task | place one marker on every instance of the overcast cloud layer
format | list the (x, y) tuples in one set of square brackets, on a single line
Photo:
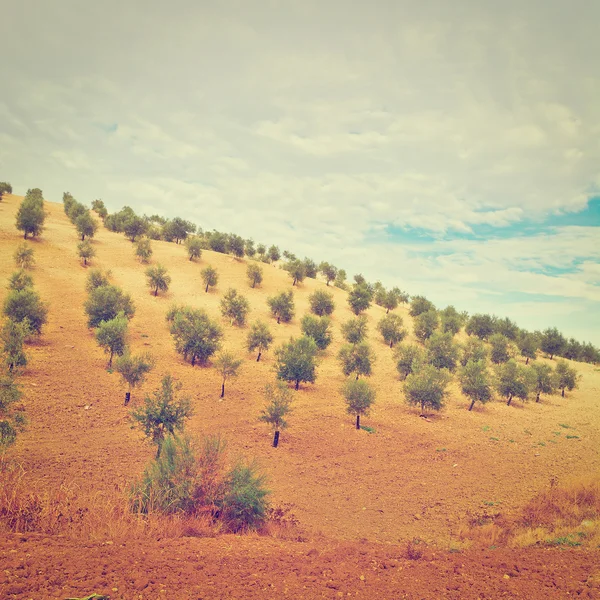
[(450, 148)]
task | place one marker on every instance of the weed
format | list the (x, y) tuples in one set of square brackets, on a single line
[(564, 426), (572, 437), (485, 428), (368, 429), (414, 550), (440, 449), (495, 439), (557, 433), (541, 443), (527, 432)]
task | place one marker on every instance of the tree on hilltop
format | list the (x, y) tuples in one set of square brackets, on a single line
[(552, 342), (329, 272), (482, 326), (419, 305), (5, 189), (296, 270), (359, 298), (31, 215)]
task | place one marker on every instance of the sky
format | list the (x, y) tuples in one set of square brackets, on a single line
[(449, 148)]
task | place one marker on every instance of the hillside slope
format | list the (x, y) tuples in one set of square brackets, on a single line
[(411, 478)]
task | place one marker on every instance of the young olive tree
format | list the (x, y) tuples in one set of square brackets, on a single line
[(500, 351), (196, 336), (193, 245), (329, 272), (356, 359), (425, 324), (31, 215), (210, 276), (24, 256), (235, 307), (296, 270), (355, 330), (528, 345), (514, 380), (86, 225), (408, 358), (392, 329), (474, 349), (227, 366), (552, 342), (482, 326), (282, 306), (95, 279), (359, 397), (279, 400), (450, 320), (297, 360), (112, 336), (321, 303), (359, 298), (566, 377), (426, 387), (317, 328), (475, 382), (158, 278), (442, 350), (25, 306), (12, 413), (254, 273), (20, 280), (85, 251), (419, 305), (133, 370), (13, 335), (545, 381), (259, 338), (143, 250), (105, 302), (163, 414)]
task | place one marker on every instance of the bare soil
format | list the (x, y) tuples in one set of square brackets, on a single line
[(358, 496)]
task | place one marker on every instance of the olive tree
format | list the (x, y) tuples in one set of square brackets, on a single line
[(500, 351), (20, 280), (545, 381), (86, 225), (426, 387), (482, 326), (234, 307), (321, 303), (317, 328), (210, 276), (355, 330), (359, 298), (31, 215), (12, 413), (133, 370), (513, 380), (5, 189), (112, 336), (392, 329), (282, 306), (356, 359), (566, 377), (273, 253), (474, 349), (528, 345), (442, 351), (158, 278), (134, 227), (105, 302), (24, 256), (85, 251), (359, 397), (425, 324), (143, 249), (13, 335), (227, 365), (408, 358), (254, 273), (25, 306), (163, 414), (296, 270), (552, 342), (329, 272), (279, 400), (419, 305), (259, 338), (196, 336), (95, 279), (193, 245), (297, 360), (450, 320), (475, 382)]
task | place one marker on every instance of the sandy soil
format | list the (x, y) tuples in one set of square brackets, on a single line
[(358, 496)]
